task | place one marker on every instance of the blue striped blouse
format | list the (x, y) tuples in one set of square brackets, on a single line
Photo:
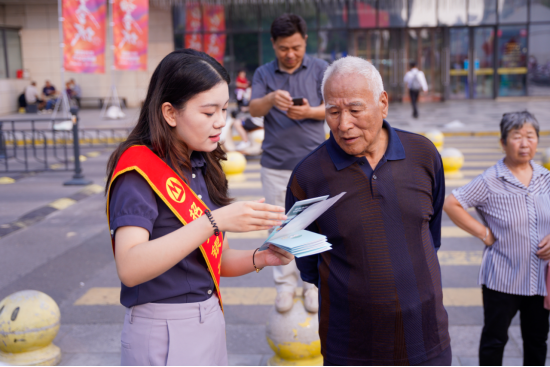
[(519, 218)]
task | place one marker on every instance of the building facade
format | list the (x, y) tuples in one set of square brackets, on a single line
[(468, 49)]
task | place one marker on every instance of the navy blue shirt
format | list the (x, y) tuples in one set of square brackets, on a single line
[(381, 299), (134, 203), (288, 141)]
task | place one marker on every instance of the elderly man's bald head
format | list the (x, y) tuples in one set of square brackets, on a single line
[(355, 66)]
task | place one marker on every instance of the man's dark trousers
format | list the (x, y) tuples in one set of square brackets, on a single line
[(414, 99), (499, 309)]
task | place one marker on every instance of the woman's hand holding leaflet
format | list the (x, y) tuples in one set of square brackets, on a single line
[(246, 216)]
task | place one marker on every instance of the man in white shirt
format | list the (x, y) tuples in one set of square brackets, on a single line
[(416, 81), (31, 94)]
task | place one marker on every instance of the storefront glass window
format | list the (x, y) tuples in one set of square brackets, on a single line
[(333, 45), (13, 47), (267, 48), (2, 58), (392, 13), (540, 10), (270, 12), (512, 60), (306, 10), (483, 76), (452, 12), (482, 12), (459, 42), (362, 14), (333, 14), (513, 11), (243, 17), (422, 13), (246, 51), (539, 60)]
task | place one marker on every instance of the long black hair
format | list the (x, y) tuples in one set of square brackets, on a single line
[(180, 76)]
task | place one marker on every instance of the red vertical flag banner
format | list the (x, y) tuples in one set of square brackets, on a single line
[(131, 34), (84, 35), (214, 21), (193, 26)]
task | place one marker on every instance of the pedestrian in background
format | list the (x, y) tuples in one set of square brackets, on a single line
[(512, 199), (173, 314), (241, 85), (381, 300), (291, 131), (76, 92), (415, 81)]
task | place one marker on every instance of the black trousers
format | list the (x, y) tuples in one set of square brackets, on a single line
[(414, 99), (498, 310)]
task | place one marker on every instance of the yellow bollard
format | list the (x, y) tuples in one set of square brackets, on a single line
[(235, 163), (29, 322), (436, 137), (294, 337), (453, 160), (546, 159)]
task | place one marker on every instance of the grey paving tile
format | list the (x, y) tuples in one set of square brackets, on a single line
[(455, 361), (245, 359), (99, 338), (468, 361), (245, 339), (91, 359)]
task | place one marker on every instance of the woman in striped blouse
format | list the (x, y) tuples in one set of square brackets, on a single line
[(512, 198)]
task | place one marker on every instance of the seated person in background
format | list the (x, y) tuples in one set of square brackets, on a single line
[(32, 96), (243, 127), (50, 94)]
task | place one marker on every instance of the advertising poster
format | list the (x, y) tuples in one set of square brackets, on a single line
[(84, 35), (131, 34)]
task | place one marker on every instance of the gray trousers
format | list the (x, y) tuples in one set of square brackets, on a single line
[(274, 183), (183, 334)]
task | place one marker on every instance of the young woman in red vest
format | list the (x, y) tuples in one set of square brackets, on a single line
[(168, 209)]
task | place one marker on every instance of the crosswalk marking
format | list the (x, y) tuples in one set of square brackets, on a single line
[(265, 296)]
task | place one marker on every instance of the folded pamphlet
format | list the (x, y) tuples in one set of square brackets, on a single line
[(292, 236)]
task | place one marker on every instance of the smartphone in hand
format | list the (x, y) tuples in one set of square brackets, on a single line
[(298, 101)]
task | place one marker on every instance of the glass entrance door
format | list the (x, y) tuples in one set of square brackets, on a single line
[(512, 61), (424, 46), (471, 79), (381, 48)]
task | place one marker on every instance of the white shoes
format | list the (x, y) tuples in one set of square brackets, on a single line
[(242, 145), (311, 300), (284, 301)]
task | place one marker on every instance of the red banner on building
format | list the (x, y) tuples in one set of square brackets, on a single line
[(84, 35), (131, 34), (211, 20)]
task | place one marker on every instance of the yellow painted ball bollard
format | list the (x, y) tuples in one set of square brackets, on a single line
[(546, 159), (453, 160), (29, 322), (235, 163), (294, 337), (436, 137)]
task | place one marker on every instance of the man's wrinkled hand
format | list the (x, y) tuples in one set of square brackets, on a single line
[(300, 112)]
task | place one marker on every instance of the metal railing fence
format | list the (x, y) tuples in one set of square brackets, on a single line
[(50, 144)]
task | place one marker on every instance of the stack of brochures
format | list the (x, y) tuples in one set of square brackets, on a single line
[(291, 235)]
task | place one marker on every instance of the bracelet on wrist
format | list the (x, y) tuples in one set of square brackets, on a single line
[(254, 262), (486, 234), (211, 219)]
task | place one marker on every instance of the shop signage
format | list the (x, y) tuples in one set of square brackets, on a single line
[(130, 34), (84, 35)]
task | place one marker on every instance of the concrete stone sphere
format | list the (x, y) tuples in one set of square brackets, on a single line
[(29, 322), (257, 136), (235, 164), (294, 337), (453, 160), (436, 137), (546, 158)]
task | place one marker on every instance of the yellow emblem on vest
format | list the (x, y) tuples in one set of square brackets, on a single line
[(216, 247), (195, 211), (175, 190)]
